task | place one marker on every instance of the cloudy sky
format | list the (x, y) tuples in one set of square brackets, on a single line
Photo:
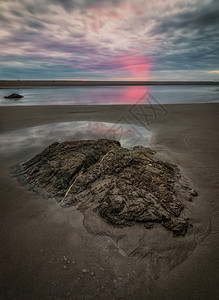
[(109, 39)]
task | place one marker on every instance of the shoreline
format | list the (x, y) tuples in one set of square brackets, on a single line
[(71, 83), (20, 117)]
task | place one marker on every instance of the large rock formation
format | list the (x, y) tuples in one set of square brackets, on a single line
[(124, 186)]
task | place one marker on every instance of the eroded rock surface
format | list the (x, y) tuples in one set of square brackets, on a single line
[(123, 186)]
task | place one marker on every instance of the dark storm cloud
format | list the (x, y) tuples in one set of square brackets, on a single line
[(3, 18), (35, 24), (201, 19), (190, 39), (192, 55), (83, 4), (68, 5)]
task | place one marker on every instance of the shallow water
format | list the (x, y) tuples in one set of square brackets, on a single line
[(112, 95), (34, 139)]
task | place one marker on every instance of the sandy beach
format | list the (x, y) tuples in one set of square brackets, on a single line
[(48, 252)]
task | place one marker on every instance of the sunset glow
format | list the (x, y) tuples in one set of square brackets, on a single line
[(109, 39)]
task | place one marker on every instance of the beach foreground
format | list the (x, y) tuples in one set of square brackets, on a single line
[(46, 252)]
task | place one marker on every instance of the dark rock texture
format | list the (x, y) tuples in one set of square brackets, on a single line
[(14, 96), (123, 186)]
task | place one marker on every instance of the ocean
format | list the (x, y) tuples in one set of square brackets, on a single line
[(113, 95)]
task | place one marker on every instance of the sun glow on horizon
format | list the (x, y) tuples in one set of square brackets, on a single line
[(213, 72)]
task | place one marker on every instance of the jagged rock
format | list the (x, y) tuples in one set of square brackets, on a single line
[(14, 96), (178, 226), (124, 186), (194, 193)]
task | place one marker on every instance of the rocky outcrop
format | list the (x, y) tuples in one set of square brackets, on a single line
[(123, 186), (14, 96)]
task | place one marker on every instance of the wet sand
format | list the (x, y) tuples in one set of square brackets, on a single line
[(47, 252)]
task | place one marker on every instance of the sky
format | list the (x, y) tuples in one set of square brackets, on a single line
[(109, 39)]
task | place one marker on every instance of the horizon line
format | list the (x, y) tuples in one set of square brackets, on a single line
[(84, 82), (30, 83)]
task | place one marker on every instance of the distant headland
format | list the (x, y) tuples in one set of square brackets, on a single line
[(71, 83)]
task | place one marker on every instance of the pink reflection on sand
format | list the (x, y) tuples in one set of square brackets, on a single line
[(102, 130)]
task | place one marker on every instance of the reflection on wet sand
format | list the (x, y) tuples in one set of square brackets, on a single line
[(41, 136)]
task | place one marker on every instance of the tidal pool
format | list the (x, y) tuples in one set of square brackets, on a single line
[(34, 139)]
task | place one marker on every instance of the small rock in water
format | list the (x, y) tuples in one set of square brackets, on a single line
[(14, 96)]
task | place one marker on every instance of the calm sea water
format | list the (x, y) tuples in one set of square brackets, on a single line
[(112, 95)]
